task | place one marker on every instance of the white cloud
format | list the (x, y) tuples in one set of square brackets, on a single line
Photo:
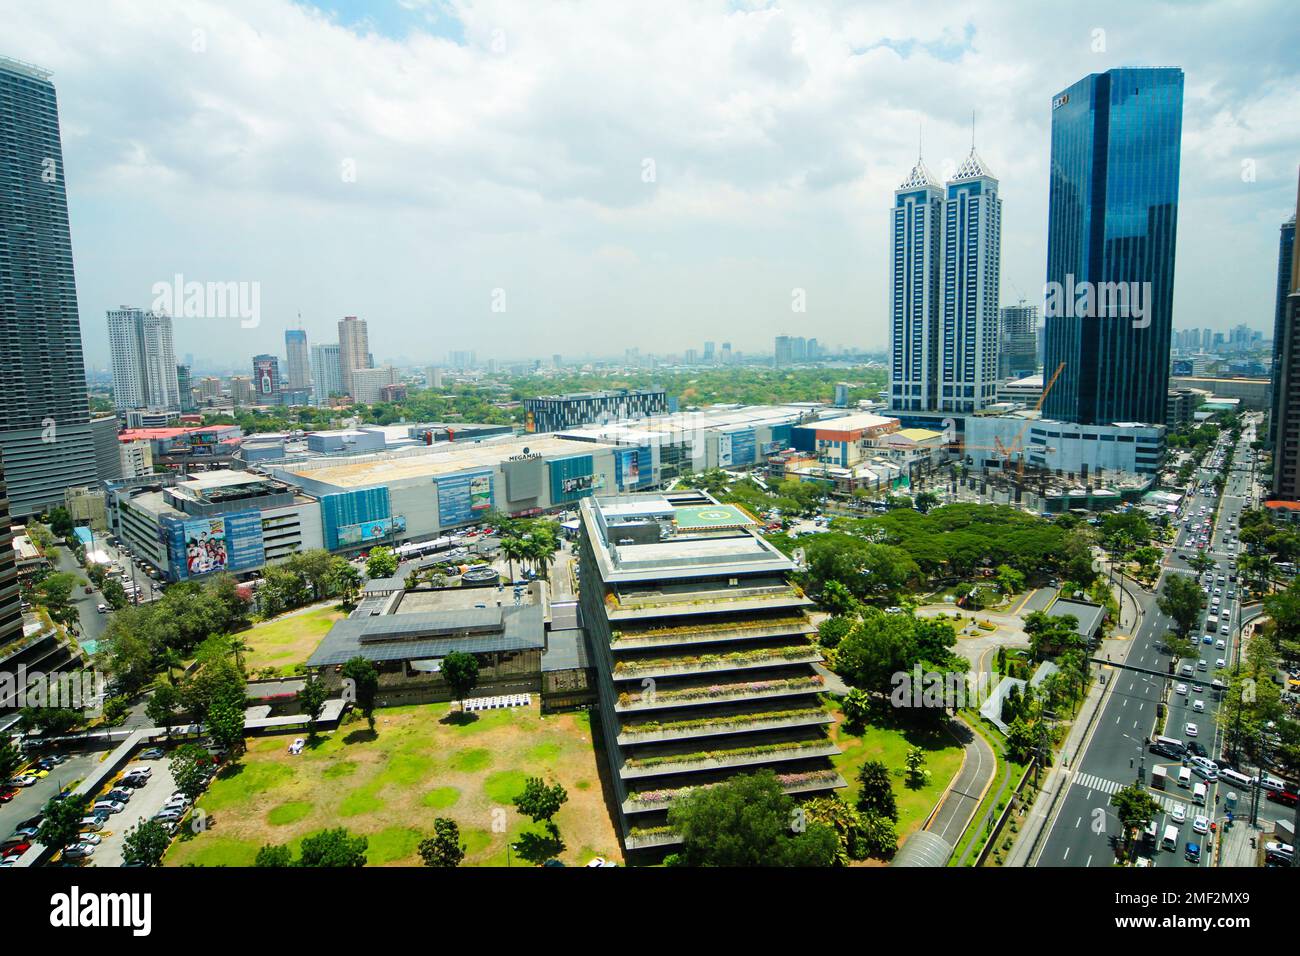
[(517, 158)]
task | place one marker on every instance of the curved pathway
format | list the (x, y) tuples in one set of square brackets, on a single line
[(959, 803)]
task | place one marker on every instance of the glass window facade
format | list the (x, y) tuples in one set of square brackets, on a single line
[(1112, 218)]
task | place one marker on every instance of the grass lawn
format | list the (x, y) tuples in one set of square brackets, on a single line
[(391, 786), (288, 640), (890, 744)]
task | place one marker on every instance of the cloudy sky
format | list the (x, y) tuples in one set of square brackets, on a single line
[(523, 178)]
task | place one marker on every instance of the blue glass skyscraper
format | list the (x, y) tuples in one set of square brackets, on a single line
[(1285, 250), (1112, 228)]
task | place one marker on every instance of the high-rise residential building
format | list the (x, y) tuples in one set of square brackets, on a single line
[(461, 359), (972, 271), (726, 353), (298, 364), (1018, 341), (916, 301), (1112, 229), (354, 349), (1285, 254), (185, 385), (326, 373), (45, 437), (144, 362), (708, 353), (433, 377), (209, 388), (266, 379), (782, 354), (241, 390), (1286, 388)]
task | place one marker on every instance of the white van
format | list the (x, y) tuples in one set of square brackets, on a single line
[(1198, 794), (1170, 842), (1185, 777), (1236, 778), (1158, 779)]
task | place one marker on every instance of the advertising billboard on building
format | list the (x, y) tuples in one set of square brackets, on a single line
[(463, 498), (205, 546), (371, 531)]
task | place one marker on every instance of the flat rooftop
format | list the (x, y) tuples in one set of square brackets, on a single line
[(444, 458)]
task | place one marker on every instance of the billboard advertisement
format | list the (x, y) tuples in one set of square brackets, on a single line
[(1182, 367), (205, 546), (724, 450), (463, 498), (573, 485), (371, 531)]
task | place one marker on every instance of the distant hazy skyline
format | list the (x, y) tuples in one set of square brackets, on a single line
[(614, 176)]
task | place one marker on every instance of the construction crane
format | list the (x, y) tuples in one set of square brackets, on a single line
[(1017, 443)]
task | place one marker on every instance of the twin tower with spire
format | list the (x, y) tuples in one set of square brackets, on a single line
[(944, 293)]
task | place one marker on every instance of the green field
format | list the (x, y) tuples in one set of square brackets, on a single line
[(287, 641), (421, 764), (890, 744)]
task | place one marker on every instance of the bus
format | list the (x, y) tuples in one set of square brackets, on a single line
[(1169, 746)]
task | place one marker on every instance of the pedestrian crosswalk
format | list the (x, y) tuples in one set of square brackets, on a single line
[(1092, 782)]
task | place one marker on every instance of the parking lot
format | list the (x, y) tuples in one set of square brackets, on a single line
[(29, 801), (145, 802)]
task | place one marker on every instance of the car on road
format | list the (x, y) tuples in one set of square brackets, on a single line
[(1279, 852), (1220, 663), (1198, 706), (1219, 644), (153, 753), (7, 794), (1181, 689), (1191, 730), (102, 608), (1193, 852), (1202, 665), (24, 780), (1201, 824), (37, 772), (1178, 814)]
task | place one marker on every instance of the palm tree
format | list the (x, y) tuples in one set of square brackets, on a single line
[(515, 549), (237, 647), (171, 659)]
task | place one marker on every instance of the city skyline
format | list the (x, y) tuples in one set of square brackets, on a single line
[(714, 239)]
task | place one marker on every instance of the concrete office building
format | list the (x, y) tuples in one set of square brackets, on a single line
[(185, 386), (433, 377), (298, 365), (266, 379), (1112, 228), (1018, 341), (241, 390), (136, 458), (45, 438), (552, 413), (682, 596), (354, 349), (368, 384), (144, 361), (326, 373)]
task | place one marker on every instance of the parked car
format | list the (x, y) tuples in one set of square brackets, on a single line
[(111, 806), (92, 823), (78, 851), (168, 816), (153, 753), (15, 849)]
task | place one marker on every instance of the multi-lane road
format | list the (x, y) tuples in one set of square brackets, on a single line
[(1085, 828)]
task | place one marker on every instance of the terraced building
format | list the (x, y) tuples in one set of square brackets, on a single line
[(703, 653)]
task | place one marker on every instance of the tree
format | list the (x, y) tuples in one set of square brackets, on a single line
[(833, 813), (11, 758), (114, 594), (345, 580), (1135, 809), (925, 501), (747, 821), (145, 843), (61, 522), (381, 563), (1010, 581), (444, 848), (226, 718), (365, 685), (62, 822), (189, 765), (832, 630), (876, 791), (513, 549), (856, 706), (162, 704), (333, 848), (312, 699), (460, 671), (273, 855), (540, 802), (1181, 599), (917, 775)]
